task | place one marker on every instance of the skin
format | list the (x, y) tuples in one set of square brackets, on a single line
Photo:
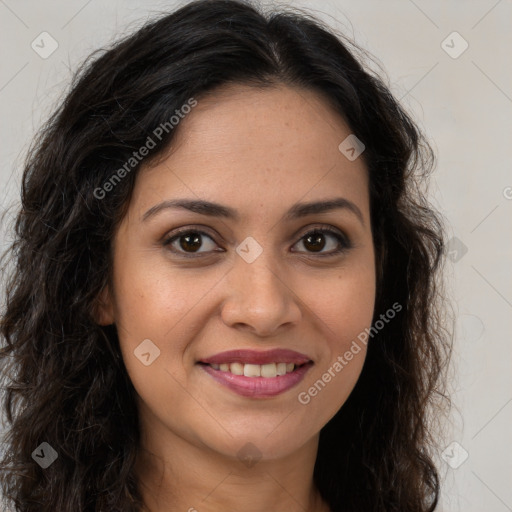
[(260, 152)]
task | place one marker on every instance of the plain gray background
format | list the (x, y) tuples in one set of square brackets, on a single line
[(463, 101)]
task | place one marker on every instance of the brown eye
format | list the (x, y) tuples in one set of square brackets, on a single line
[(314, 241), (317, 240), (189, 241)]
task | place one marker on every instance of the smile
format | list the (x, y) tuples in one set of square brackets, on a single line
[(257, 374)]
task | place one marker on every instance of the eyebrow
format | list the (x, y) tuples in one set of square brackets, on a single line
[(297, 211)]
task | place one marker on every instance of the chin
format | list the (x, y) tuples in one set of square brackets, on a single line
[(257, 444)]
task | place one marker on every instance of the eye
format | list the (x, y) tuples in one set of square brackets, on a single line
[(314, 241), (189, 240)]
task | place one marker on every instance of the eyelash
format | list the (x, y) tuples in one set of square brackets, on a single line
[(343, 241)]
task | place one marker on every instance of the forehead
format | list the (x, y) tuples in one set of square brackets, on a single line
[(242, 119), (249, 146)]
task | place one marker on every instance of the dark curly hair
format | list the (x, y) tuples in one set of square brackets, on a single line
[(63, 376)]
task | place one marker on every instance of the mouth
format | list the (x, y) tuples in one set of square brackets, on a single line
[(257, 374)]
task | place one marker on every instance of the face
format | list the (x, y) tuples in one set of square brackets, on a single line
[(197, 284)]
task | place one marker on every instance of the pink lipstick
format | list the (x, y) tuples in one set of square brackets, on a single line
[(257, 374)]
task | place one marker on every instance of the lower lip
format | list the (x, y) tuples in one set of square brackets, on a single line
[(258, 387)]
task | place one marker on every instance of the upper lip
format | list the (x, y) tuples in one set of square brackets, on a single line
[(277, 355)]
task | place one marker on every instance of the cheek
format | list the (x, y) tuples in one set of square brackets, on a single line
[(343, 311), (326, 392), (153, 298), (344, 304), (152, 312), (158, 303)]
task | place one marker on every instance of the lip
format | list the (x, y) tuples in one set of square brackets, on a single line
[(277, 355), (258, 387)]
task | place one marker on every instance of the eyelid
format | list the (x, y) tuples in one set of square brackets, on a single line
[(321, 227), (186, 229)]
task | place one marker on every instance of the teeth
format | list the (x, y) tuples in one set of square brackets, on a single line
[(269, 370), (252, 370), (281, 368), (236, 368), (256, 370)]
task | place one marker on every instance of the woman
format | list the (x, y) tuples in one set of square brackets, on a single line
[(226, 291)]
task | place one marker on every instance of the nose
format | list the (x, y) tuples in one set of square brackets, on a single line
[(259, 299)]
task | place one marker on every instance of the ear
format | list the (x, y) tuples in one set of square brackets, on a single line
[(104, 308)]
